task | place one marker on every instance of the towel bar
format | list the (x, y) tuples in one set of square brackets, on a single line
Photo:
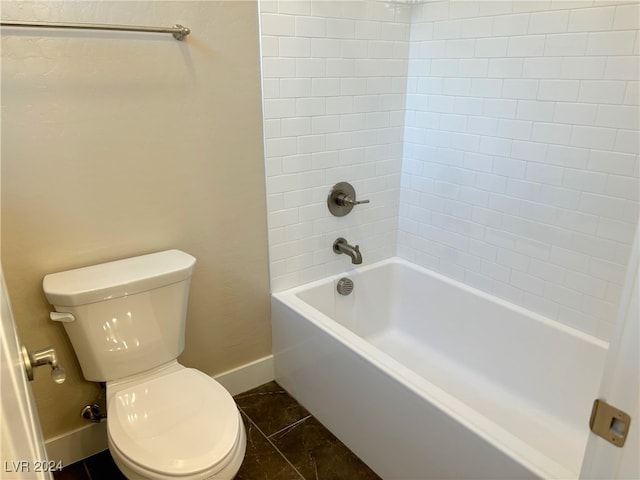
[(178, 31)]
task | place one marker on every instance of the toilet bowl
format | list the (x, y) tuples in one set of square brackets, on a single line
[(126, 322), (175, 422)]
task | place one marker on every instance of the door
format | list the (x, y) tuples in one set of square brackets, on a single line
[(620, 387), (22, 452)]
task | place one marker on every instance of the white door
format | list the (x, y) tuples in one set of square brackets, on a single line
[(22, 452), (620, 387)]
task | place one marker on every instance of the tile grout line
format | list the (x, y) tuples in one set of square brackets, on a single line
[(86, 470), (288, 427), (271, 443)]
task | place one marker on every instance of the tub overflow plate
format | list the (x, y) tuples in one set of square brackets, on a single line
[(344, 286)]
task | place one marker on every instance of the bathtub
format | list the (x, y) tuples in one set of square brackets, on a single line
[(424, 377)]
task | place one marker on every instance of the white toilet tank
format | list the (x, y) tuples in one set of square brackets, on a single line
[(125, 316)]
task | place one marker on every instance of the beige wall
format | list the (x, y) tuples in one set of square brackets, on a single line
[(119, 144)]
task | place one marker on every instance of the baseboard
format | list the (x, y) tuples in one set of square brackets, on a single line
[(71, 447), (248, 376), (76, 445)]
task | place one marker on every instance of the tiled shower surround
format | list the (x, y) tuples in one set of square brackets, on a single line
[(497, 141), (335, 81)]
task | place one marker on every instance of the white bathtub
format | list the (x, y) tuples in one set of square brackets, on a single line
[(426, 378)]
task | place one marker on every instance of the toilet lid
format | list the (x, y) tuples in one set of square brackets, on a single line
[(177, 424)]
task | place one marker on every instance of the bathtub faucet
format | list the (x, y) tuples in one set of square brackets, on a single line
[(341, 246)]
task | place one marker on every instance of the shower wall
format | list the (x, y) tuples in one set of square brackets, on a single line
[(334, 78), (496, 140), (520, 168)]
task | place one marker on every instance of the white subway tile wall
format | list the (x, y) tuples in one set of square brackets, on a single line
[(335, 79), (498, 142), (533, 171)]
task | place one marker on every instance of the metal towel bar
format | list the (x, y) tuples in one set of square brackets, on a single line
[(178, 31)]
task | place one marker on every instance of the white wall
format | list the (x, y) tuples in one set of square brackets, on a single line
[(521, 168), (519, 148), (334, 78)]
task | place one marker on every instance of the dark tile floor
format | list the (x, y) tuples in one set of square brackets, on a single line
[(284, 442)]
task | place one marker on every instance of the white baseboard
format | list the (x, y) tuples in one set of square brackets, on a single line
[(248, 376), (76, 445)]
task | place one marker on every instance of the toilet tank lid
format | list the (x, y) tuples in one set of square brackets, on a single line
[(117, 279)]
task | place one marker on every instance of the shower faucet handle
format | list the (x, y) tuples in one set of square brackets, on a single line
[(342, 199)]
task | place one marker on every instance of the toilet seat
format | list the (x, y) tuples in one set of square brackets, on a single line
[(178, 423)]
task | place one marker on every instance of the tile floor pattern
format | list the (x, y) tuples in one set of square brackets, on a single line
[(284, 442)]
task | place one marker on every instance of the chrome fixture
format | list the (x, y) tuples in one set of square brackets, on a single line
[(92, 413), (46, 356), (344, 286), (178, 31), (341, 246), (342, 198)]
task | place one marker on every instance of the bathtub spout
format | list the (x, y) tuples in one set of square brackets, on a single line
[(342, 246)]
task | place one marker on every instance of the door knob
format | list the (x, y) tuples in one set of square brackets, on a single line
[(46, 356)]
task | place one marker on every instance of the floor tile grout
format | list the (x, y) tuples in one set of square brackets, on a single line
[(87, 470), (271, 443), (305, 444), (289, 427)]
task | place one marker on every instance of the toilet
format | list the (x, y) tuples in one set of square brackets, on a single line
[(126, 322)]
